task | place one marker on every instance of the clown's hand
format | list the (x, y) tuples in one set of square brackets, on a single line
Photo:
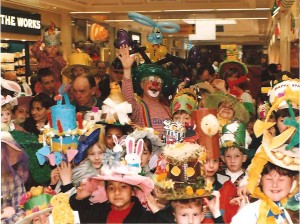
[(126, 59), (7, 212)]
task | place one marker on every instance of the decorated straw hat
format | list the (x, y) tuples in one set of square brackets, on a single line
[(35, 202), (240, 112), (126, 169), (145, 70), (281, 150), (185, 99), (79, 59), (227, 64), (8, 139)]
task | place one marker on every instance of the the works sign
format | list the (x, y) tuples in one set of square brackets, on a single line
[(16, 21)]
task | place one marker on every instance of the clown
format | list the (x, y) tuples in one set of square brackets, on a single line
[(151, 80)]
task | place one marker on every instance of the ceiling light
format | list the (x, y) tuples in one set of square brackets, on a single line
[(216, 21)]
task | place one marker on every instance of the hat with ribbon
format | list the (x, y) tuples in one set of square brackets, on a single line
[(79, 59)]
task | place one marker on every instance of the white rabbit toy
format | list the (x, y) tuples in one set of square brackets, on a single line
[(133, 154), (118, 145)]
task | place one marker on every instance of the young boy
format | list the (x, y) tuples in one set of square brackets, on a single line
[(276, 184), (234, 142), (191, 210)]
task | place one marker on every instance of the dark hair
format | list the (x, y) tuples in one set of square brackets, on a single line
[(180, 112), (229, 72), (148, 143), (205, 67), (282, 171), (283, 113), (89, 78), (106, 184), (44, 72), (44, 99), (126, 129), (273, 68)]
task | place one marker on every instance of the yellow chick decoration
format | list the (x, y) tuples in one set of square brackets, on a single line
[(115, 107), (62, 212), (36, 191)]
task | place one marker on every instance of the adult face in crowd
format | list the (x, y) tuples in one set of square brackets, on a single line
[(101, 68), (116, 71), (11, 75), (206, 73), (84, 89)]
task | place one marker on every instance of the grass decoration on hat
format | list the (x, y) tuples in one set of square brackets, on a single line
[(29, 142), (240, 112), (227, 64)]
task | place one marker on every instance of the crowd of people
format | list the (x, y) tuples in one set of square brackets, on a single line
[(249, 185)]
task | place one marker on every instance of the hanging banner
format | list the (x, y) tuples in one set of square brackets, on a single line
[(16, 21)]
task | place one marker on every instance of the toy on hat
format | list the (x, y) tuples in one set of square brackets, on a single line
[(179, 173), (115, 107), (62, 211), (52, 35), (35, 202), (227, 64), (126, 169), (79, 59), (60, 136)]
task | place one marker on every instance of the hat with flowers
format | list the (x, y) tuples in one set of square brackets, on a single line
[(35, 202)]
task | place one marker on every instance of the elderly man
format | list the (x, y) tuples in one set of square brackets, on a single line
[(148, 110), (84, 88)]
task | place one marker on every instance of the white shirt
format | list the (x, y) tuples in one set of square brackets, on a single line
[(234, 176)]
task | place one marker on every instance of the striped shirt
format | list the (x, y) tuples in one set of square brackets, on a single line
[(158, 112)]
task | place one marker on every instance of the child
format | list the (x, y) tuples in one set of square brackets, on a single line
[(233, 143), (190, 210), (123, 186), (276, 184), (145, 157), (118, 131), (21, 111), (6, 116)]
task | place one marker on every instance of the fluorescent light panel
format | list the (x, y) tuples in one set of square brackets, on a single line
[(192, 21)]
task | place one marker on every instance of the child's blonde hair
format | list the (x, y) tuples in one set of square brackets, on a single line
[(187, 203), (6, 106)]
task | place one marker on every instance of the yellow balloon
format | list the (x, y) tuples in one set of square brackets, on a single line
[(162, 51)]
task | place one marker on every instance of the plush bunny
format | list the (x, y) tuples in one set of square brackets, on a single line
[(118, 145), (133, 154)]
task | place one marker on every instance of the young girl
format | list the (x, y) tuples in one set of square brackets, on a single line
[(39, 106), (6, 116), (118, 131), (21, 111)]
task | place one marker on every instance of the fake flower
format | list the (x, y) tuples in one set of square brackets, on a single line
[(169, 184), (189, 190), (208, 186), (111, 158)]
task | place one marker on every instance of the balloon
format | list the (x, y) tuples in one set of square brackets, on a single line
[(194, 55), (122, 38), (139, 18), (162, 51), (168, 27), (155, 37)]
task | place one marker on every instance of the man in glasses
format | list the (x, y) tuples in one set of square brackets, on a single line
[(116, 75)]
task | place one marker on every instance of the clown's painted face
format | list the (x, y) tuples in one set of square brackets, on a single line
[(152, 86)]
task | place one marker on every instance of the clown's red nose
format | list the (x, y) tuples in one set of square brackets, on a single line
[(155, 83)]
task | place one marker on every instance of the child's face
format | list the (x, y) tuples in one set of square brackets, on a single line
[(276, 186), (281, 126), (211, 167), (188, 214), (21, 114), (226, 111), (95, 155), (185, 117), (5, 116), (119, 194), (232, 78), (234, 158), (38, 112), (77, 71), (145, 156), (41, 219), (109, 142)]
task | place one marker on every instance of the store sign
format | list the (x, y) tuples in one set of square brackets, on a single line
[(16, 21)]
